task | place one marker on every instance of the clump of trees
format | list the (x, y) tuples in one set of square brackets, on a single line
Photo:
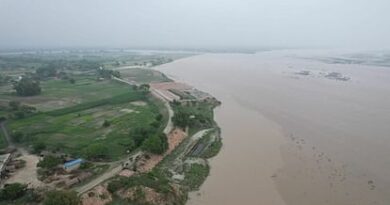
[(27, 87), (198, 116), (156, 144)]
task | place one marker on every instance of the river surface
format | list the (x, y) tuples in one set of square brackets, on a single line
[(293, 137)]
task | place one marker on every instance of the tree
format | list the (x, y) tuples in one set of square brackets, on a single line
[(27, 87), (13, 191), (61, 198), (157, 144)]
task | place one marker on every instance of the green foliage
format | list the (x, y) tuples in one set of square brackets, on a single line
[(61, 198), (14, 105), (96, 152), (181, 118), (198, 116), (140, 134), (105, 73), (13, 191), (156, 144), (195, 175), (27, 87), (49, 162), (115, 185), (106, 123), (38, 147), (17, 136), (153, 179), (46, 71), (213, 149)]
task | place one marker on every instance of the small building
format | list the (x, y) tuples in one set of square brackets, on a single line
[(73, 164)]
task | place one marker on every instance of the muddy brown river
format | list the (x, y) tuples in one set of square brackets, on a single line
[(293, 137)]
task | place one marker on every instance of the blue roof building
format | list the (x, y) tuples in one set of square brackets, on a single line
[(73, 164)]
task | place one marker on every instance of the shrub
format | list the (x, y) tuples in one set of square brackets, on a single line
[(106, 123)]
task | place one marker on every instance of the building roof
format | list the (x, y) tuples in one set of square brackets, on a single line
[(73, 163)]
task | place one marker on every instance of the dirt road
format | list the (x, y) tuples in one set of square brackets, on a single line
[(114, 170)]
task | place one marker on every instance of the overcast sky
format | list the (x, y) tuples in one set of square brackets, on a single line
[(195, 23)]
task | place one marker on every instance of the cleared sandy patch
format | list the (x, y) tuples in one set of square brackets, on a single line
[(27, 174), (127, 110)]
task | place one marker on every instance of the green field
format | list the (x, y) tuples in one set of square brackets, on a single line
[(74, 129), (60, 93)]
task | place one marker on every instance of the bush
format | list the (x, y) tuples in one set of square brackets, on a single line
[(61, 198), (13, 191), (106, 123)]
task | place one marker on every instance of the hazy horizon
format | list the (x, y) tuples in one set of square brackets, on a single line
[(195, 24)]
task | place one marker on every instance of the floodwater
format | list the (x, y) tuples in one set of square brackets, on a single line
[(290, 138)]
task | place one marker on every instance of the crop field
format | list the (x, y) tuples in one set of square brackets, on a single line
[(74, 129)]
